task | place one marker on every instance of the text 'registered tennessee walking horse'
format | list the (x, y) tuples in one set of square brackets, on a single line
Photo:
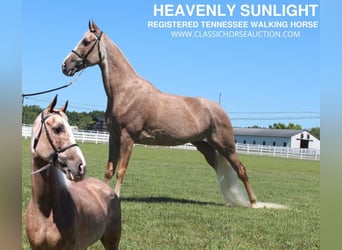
[(137, 112), (66, 211)]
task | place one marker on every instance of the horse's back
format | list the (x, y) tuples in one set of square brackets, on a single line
[(210, 113), (93, 190), (172, 120)]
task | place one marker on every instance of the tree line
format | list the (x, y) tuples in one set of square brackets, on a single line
[(80, 119), (84, 119)]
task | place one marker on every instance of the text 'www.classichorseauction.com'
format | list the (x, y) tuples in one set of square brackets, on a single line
[(234, 21)]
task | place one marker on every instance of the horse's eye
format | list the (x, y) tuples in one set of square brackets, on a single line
[(85, 42), (58, 129)]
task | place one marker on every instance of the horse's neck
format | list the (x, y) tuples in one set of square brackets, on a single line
[(117, 73), (46, 186)]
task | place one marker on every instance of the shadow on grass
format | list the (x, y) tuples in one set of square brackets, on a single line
[(168, 200)]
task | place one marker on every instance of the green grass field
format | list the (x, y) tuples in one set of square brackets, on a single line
[(171, 200)]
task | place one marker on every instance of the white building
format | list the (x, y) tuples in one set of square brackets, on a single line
[(276, 137)]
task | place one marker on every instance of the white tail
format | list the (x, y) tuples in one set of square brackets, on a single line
[(231, 188), (229, 182)]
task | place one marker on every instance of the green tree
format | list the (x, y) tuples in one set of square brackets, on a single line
[(277, 126), (316, 132), (255, 126), (97, 113), (79, 119), (29, 113), (294, 126), (283, 126)]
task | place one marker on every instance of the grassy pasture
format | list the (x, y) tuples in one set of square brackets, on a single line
[(170, 200)]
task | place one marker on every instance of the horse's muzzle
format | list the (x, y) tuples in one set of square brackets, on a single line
[(68, 71), (72, 64), (77, 174), (82, 169)]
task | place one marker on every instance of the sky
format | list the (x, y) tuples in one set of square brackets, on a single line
[(258, 81)]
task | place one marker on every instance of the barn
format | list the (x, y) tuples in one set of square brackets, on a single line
[(276, 137), (98, 124)]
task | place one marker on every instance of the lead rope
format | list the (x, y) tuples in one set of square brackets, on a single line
[(43, 168), (50, 90)]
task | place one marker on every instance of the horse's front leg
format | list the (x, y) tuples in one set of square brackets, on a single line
[(126, 147), (113, 157)]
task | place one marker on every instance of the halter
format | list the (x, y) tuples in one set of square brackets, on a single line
[(56, 150), (85, 57)]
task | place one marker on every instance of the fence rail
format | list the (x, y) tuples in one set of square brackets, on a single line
[(287, 152)]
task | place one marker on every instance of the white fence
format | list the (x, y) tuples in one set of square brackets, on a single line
[(103, 137), (287, 152), (80, 135)]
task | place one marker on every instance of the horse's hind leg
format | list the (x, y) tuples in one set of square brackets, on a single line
[(226, 147), (242, 174), (240, 169), (213, 158), (207, 151)]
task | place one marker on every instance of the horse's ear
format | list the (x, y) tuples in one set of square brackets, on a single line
[(64, 107), (52, 104), (92, 26)]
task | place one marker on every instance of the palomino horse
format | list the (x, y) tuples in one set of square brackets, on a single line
[(65, 211), (137, 112)]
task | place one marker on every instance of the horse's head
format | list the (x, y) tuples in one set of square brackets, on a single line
[(53, 142), (86, 53)]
